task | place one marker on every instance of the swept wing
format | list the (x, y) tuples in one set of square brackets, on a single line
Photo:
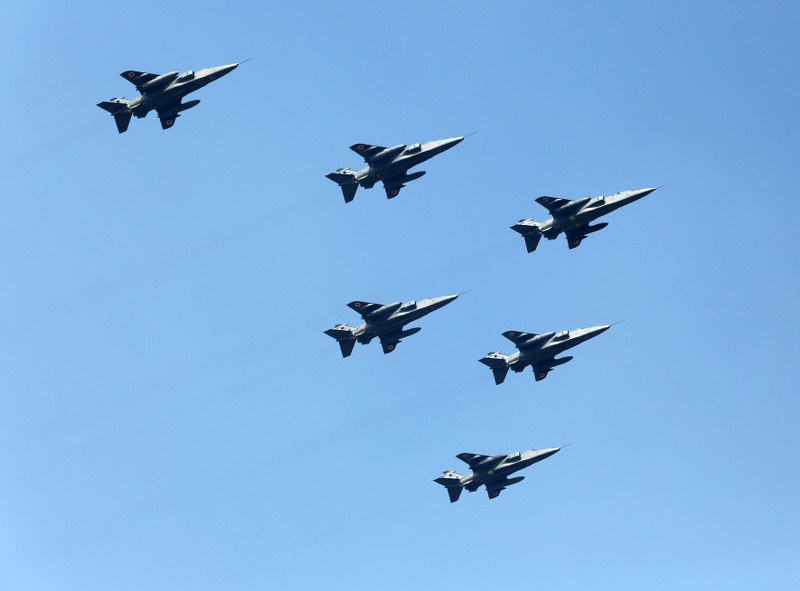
[(494, 488), (480, 461), (544, 367), (393, 186), (576, 235), (367, 151), (389, 341), (138, 79), (552, 203), (167, 114), (518, 337), (374, 312)]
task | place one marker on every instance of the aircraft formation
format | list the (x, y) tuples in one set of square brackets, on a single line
[(387, 322)]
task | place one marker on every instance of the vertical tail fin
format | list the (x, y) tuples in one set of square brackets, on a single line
[(346, 179), (498, 364), (344, 336), (118, 107), (452, 482), (530, 232), (123, 120)]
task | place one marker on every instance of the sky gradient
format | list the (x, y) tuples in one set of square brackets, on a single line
[(172, 415)]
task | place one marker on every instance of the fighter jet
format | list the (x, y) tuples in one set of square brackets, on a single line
[(388, 165), (574, 217), (162, 93), (491, 471), (538, 351), (386, 322)]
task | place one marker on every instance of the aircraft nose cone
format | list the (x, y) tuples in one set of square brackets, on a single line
[(645, 192), (448, 298), (584, 334), (436, 303), (546, 453), (227, 69)]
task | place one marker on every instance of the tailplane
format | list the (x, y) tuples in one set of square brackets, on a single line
[(452, 482), (118, 107), (498, 364), (344, 336), (346, 179)]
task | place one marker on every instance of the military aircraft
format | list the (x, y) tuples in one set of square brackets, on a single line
[(490, 471), (538, 351), (162, 93), (386, 322), (388, 165), (574, 217)]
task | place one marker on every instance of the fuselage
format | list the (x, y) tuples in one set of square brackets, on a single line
[(551, 345), (498, 471), (175, 90), (399, 164), (589, 211), (398, 319)]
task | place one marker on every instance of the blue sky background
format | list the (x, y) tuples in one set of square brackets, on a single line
[(171, 415)]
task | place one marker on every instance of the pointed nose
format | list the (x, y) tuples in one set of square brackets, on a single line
[(222, 70), (645, 192), (596, 330), (542, 454), (444, 300), (436, 303)]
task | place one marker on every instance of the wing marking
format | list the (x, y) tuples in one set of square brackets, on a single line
[(364, 308), (495, 487), (544, 367), (551, 203), (367, 151), (517, 337), (167, 114), (389, 341), (138, 79), (576, 235), (392, 188)]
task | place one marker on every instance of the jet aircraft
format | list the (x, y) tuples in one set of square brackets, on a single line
[(490, 471), (573, 218), (386, 322), (538, 351), (388, 165), (161, 92)]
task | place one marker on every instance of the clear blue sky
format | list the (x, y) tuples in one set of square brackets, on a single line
[(171, 415)]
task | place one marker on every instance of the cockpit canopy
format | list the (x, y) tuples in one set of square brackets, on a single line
[(561, 335), (413, 148), (187, 76), (513, 457), (410, 305)]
